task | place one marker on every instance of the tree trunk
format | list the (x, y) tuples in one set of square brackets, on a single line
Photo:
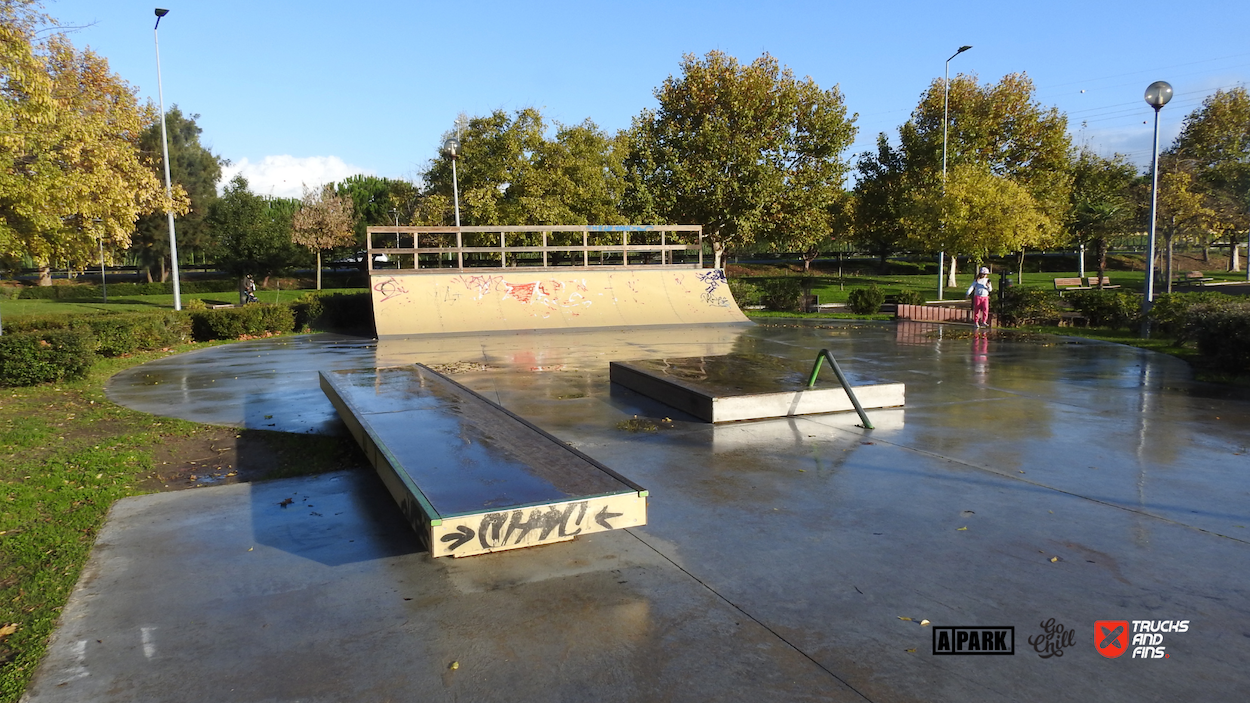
[(164, 271), (718, 248), (1234, 262), (265, 282), (950, 279), (45, 275), (1020, 269), (1102, 257), (318, 269), (1168, 238)]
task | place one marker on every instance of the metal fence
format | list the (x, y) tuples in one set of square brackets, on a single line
[(431, 249)]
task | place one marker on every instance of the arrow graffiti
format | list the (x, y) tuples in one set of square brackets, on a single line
[(603, 516), (463, 534)]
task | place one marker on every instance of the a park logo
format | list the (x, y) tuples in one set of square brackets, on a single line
[(974, 640), (1111, 637)]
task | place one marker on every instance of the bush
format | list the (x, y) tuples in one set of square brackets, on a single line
[(1107, 308), (336, 311), (1021, 306), (115, 334), (1170, 311), (27, 358), (865, 301), (233, 323), (744, 292), (781, 294), (909, 297), (1222, 331), (128, 333)]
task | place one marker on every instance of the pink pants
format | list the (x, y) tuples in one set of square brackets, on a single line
[(981, 309)]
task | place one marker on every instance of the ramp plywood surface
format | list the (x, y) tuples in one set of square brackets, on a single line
[(488, 300)]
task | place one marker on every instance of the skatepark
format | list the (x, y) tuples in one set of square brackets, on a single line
[(1026, 483)]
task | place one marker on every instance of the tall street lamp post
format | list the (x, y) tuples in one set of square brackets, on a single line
[(169, 189), (451, 147), (946, 100), (1157, 95)]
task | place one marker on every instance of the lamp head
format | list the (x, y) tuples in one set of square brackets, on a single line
[(1158, 94), (160, 12), (451, 147), (962, 49)]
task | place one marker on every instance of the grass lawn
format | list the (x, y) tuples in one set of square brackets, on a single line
[(22, 307), (67, 453)]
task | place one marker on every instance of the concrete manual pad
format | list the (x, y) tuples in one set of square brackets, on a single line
[(471, 477), (736, 387), (1031, 482)]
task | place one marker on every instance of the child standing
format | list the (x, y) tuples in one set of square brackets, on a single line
[(980, 292)]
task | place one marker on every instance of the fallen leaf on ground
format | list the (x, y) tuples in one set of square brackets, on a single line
[(1054, 559), (903, 618), (286, 502), (960, 529), (8, 630), (924, 623)]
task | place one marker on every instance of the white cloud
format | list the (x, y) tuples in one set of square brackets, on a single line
[(285, 175)]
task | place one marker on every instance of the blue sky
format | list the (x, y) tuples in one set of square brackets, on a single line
[(311, 91)]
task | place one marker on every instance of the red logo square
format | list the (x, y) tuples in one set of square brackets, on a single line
[(1111, 637)]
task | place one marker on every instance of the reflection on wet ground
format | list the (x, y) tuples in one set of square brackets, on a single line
[(1027, 479)]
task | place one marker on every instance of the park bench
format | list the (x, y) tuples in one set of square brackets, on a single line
[(1066, 284), (1106, 282), (1193, 278)]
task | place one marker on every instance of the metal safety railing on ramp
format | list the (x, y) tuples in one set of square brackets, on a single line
[(846, 385), (435, 249)]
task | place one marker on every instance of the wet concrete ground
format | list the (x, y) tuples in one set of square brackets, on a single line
[(1025, 482)]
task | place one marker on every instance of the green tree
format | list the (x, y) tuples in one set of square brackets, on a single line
[(378, 201), (1101, 202), (1214, 145), (1001, 127), (748, 151), (495, 152), (882, 194), (575, 179), (193, 167), (72, 174), (252, 234), (978, 213), (325, 220)]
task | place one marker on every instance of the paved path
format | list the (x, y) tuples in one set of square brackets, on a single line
[(1024, 483)]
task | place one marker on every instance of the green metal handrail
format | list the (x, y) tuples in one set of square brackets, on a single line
[(846, 385)]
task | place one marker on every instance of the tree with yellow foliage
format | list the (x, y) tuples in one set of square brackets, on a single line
[(71, 174)]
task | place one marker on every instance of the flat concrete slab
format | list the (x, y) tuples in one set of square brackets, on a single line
[(736, 387), (470, 477), (1031, 483)]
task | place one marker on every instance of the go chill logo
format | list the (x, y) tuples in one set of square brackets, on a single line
[(1112, 637)]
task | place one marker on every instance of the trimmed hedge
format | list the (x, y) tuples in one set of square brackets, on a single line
[(115, 334), (1021, 306), (351, 312), (781, 294), (1222, 331), (90, 292), (865, 301), (1107, 308), (232, 323), (1170, 311), (28, 358), (745, 292)]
